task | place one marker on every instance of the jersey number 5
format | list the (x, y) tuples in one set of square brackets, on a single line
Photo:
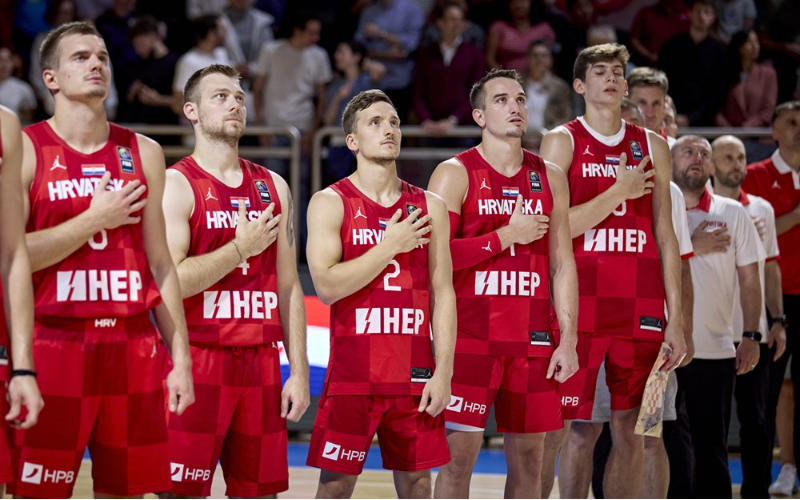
[(390, 275)]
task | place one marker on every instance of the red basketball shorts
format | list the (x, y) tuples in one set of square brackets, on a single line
[(409, 440), (628, 364), (101, 383), (525, 400), (236, 420)]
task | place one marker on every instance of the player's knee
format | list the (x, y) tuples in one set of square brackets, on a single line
[(167, 494), (419, 486), (653, 444), (584, 434)]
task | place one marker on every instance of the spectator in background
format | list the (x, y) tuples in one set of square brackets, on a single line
[(28, 22), (92, 9), (548, 96), (781, 41), (655, 25), (195, 9), (752, 85), (15, 94), (445, 74), (289, 75), (247, 30), (208, 49), (734, 16), (150, 96), (694, 63), (355, 74), (472, 34), (391, 31), (58, 12), (510, 38), (571, 35), (114, 25)]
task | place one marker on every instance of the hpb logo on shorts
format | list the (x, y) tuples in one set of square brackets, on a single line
[(569, 400), (334, 451), (37, 474), (457, 404), (180, 473)]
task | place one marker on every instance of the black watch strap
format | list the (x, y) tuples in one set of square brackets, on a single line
[(23, 373), (782, 319), (753, 335)]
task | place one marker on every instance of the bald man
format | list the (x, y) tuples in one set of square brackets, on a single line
[(751, 388)]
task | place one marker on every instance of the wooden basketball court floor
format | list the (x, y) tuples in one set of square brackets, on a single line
[(375, 482)]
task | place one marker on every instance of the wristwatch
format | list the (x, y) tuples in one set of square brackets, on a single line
[(756, 336), (781, 319)]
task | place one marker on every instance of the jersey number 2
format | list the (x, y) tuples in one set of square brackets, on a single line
[(390, 275)]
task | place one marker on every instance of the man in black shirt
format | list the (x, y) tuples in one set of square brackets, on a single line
[(695, 64)]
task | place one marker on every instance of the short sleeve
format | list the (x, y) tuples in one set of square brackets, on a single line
[(747, 246), (680, 222), (262, 65)]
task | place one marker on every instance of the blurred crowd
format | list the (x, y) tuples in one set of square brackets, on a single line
[(729, 62)]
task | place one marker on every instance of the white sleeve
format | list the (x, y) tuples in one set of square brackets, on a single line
[(180, 79), (771, 238), (747, 244), (261, 68), (680, 222)]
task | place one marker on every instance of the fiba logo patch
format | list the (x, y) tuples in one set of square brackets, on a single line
[(176, 470), (331, 451), (456, 403), (32, 473)]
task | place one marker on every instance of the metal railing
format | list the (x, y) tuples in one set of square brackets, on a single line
[(292, 153), (319, 151)]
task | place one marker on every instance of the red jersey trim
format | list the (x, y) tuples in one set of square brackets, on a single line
[(705, 202), (687, 256), (743, 198)]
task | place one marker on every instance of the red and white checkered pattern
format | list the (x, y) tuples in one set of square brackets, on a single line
[(525, 400), (236, 420), (409, 440), (380, 362), (212, 226), (493, 323), (616, 288), (60, 192), (102, 387)]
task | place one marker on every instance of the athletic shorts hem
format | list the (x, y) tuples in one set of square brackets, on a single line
[(420, 466), (554, 426), (350, 471), (190, 490), (40, 494), (260, 491)]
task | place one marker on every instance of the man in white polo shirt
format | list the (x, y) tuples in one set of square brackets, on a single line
[(751, 389), (708, 381)]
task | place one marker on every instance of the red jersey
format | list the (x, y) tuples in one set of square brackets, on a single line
[(620, 283), (5, 355), (109, 275), (380, 335), (773, 180), (503, 302), (242, 308)]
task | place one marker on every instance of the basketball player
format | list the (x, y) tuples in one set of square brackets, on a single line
[(626, 254), (377, 251), (101, 265), (235, 256), (16, 359), (509, 217)]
